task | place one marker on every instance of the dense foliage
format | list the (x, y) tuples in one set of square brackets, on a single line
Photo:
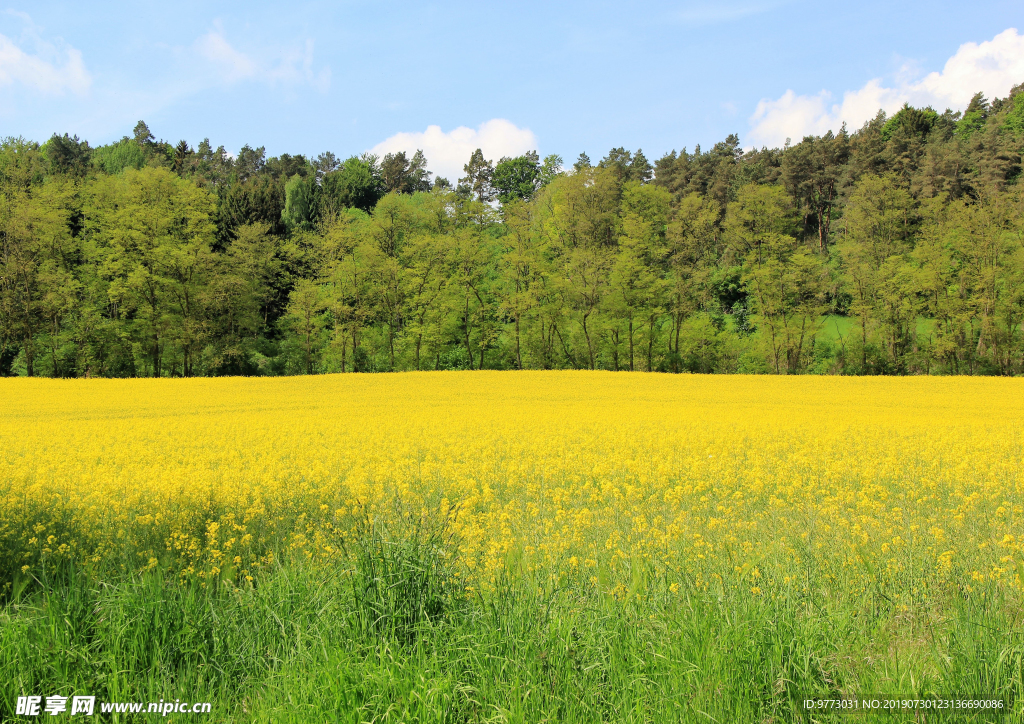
[(896, 249)]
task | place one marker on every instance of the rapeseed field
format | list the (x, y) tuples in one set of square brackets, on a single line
[(725, 546)]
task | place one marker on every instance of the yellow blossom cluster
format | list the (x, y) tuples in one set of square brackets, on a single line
[(619, 480)]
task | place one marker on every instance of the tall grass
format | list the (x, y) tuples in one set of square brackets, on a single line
[(393, 634)]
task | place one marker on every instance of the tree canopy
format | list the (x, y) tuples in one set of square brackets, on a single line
[(897, 248)]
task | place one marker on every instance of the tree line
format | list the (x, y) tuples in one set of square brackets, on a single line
[(894, 249)]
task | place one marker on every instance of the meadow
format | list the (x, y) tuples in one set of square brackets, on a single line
[(514, 546)]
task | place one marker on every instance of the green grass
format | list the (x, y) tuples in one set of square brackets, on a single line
[(834, 327), (390, 635)]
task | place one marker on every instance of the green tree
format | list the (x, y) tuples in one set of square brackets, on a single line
[(301, 203), (636, 281), (628, 166), (67, 155), (351, 286), (142, 134), (182, 158), (249, 277), (116, 157), (36, 288), (785, 282), (580, 226), (477, 181), (1014, 120), (550, 169), (258, 200), (250, 162), (355, 184), (392, 223), (974, 116), (517, 178), (876, 239), (404, 175), (470, 293), (812, 171), (427, 258), (156, 232), (691, 259), (304, 317), (522, 266)]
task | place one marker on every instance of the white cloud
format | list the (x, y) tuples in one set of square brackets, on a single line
[(49, 70), (993, 67), (291, 66), (233, 64), (448, 152)]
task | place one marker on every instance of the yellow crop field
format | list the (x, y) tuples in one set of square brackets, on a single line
[(610, 480), (516, 546)]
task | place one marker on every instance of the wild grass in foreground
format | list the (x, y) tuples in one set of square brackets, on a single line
[(394, 637)]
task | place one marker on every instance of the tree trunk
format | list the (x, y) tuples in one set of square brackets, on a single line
[(309, 354), (825, 220), (55, 371), (679, 324), (469, 348), (863, 344), (565, 348), (391, 343), (631, 366), (650, 346), (30, 358), (590, 346), (519, 356)]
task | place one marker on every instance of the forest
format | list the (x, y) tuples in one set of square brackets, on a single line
[(897, 248)]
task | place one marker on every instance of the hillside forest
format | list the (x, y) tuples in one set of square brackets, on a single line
[(897, 248)]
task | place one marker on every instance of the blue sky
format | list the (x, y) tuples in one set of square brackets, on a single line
[(305, 77)]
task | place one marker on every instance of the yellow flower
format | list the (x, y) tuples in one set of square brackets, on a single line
[(560, 477)]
